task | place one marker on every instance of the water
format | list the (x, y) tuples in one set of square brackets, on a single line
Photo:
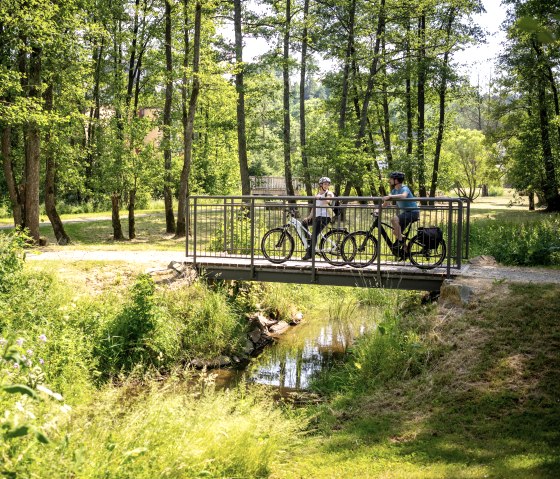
[(307, 349)]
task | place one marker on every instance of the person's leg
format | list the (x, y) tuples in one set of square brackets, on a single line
[(319, 224), (397, 228)]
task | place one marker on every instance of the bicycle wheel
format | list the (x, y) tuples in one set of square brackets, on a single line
[(277, 245), (331, 247), (425, 258), (364, 249)]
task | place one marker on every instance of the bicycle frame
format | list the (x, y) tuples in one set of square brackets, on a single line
[(377, 223), (303, 233)]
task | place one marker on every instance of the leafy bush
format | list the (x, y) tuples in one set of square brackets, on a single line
[(513, 243), (11, 258), (127, 342)]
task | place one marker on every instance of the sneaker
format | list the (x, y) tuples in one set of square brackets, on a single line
[(307, 257)]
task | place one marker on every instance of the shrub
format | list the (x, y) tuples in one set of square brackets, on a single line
[(513, 243), (11, 258), (127, 341)]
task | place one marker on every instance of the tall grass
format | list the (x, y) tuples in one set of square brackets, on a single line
[(514, 243), (163, 431)]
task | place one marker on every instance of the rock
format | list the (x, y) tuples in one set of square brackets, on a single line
[(279, 327), (219, 362), (483, 260), (256, 335), (296, 318), (453, 293)]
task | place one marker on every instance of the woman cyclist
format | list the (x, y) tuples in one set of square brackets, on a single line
[(322, 217)]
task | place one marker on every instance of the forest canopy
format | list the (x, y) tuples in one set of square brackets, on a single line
[(109, 104)]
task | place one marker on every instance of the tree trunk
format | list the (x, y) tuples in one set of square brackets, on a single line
[(115, 217), (346, 70), (13, 192), (286, 101), (131, 217), (50, 177), (33, 150), (409, 113), (549, 184), (189, 127), (302, 133), (93, 124), (386, 130), (166, 142), (372, 73), (442, 94), (240, 88), (421, 105)]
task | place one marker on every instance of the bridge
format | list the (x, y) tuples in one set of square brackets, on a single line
[(228, 240)]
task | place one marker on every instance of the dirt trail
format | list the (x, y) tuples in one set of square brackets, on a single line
[(483, 267)]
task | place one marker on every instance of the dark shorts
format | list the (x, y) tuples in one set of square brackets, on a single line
[(407, 217)]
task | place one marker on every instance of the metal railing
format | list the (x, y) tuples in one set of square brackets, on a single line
[(233, 227)]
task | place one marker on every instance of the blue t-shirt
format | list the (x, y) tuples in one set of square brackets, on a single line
[(405, 205)]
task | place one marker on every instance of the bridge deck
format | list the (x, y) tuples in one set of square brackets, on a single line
[(401, 276)]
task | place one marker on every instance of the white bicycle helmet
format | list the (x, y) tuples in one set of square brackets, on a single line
[(324, 179)]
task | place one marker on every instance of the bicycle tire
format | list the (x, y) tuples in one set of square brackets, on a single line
[(425, 258), (365, 249), (277, 245), (331, 247)]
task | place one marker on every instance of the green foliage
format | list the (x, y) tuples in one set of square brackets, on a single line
[(11, 259), (163, 430), (127, 341), (206, 324), (514, 243), (396, 350)]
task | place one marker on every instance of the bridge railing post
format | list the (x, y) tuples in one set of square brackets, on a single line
[(313, 243), (187, 225), (449, 234), (459, 233), (252, 220), (195, 219)]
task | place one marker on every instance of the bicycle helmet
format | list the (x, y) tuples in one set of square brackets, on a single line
[(397, 175), (324, 179)]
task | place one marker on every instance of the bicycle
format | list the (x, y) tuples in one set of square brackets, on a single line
[(425, 250), (277, 244)]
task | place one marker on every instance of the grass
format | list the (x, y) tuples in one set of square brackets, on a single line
[(432, 392), (485, 406)]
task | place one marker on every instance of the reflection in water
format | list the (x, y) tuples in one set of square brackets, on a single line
[(306, 350)]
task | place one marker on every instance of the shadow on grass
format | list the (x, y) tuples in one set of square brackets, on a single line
[(495, 414)]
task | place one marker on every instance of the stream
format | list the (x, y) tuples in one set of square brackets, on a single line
[(302, 352)]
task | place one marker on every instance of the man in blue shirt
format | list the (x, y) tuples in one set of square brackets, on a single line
[(408, 210)]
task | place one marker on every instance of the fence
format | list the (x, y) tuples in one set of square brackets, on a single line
[(236, 227)]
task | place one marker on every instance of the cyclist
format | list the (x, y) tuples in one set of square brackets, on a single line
[(408, 210), (322, 217)]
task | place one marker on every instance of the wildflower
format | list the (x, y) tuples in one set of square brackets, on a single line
[(3, 341), (19, 341), (41, 361), (23, 357), (42, 338), (29, 352), (16, 366), (29, 363)]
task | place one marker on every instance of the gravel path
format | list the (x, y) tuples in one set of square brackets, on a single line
[(483, 267)]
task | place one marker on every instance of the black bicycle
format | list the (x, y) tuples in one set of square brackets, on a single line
[(277, 244), (426, 249)]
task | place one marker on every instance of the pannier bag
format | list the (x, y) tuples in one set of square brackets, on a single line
[(430, 237)]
